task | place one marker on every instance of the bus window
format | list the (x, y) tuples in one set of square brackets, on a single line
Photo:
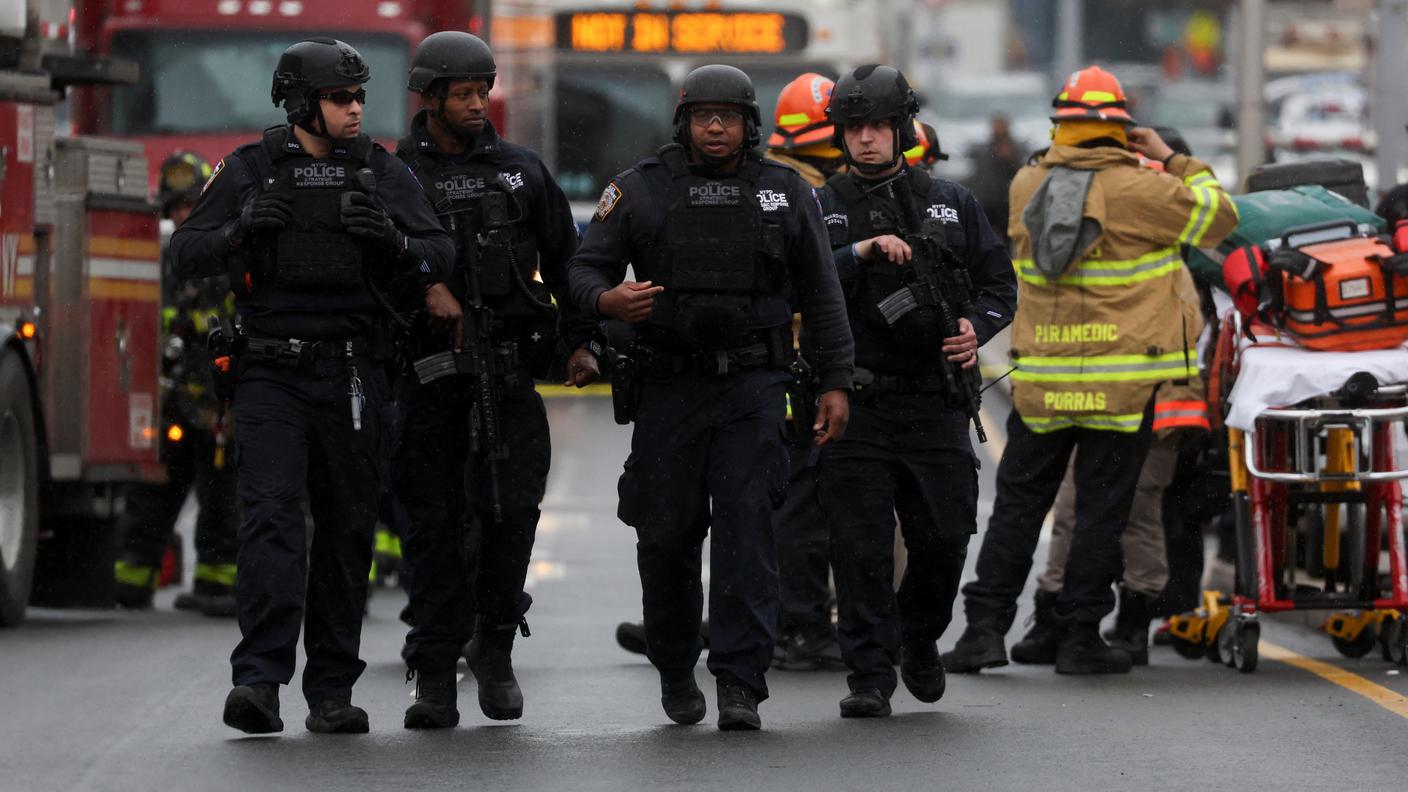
[(200, 82), (611, 117), (608, 119)]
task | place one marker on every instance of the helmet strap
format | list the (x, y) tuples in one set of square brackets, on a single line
[(438, 114), (314, 124), (870, 169)]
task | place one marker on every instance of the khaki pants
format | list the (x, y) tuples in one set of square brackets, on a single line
[(1142, 543)]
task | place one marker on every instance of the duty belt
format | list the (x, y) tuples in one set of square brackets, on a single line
[(866, 380), (718, 363), (295, 353)]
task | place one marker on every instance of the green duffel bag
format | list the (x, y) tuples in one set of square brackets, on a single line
[(1267, 215)]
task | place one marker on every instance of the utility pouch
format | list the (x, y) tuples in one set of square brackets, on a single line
[(801, 402), (626, 377), (222, 362)]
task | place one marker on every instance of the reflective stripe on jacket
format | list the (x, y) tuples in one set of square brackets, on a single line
[(1093, 342)]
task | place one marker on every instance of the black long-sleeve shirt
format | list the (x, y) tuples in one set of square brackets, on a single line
[(968, 235), (630, 223), (548, 213), (201, 247)]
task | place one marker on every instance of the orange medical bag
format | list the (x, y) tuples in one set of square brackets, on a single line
[(1343, 294)]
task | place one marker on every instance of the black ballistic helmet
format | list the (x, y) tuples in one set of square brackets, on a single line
[(310, 66), (719, 84), (874, 93), (450, 55)]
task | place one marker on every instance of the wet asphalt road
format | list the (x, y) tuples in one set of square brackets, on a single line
[(131, 701)]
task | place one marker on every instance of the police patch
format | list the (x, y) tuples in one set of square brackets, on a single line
[(772, 200), (609, 197), (219, 166), (837, 219)]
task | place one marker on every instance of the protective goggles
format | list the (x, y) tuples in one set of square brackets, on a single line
[(728, 119), (344, 98)]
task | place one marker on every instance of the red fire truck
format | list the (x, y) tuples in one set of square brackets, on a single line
[(205, 65), (79, 295)]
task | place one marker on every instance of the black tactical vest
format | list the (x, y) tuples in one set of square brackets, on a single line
[(870, 215), (315, 253), (482, 213), (719, 252)]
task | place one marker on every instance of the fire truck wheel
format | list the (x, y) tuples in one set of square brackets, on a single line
[(19, 490)]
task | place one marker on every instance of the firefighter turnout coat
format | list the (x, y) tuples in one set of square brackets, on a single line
[(1108, 312)]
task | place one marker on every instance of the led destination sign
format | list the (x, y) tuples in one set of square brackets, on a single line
[(681, 32)]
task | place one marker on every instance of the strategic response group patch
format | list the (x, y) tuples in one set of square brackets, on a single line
[(609, 197)]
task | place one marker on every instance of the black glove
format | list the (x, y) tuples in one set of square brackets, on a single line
[(364, 218), (267, 211)]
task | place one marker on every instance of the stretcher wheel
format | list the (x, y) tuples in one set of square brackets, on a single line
[(1214, 647), (1227, 642), (1386, 637), (1362, 644), (1398, 641), (1246, 637), (1190, 650)]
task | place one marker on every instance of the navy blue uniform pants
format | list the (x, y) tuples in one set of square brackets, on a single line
[(905, 455), (1107, 471), (295, 435), (803, 548), (708, 459), (451, 535)]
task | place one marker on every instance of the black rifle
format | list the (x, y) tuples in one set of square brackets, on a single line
[(935, 278), (487, 363)]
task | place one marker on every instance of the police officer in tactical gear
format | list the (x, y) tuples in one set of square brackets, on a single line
[(508, 219), (195, 433), (723, 243), (907, 451), (320, 231)]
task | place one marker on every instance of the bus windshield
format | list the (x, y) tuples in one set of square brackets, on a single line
[(195, 82), (610, 117)]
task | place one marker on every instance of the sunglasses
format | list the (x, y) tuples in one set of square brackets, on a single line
[(344, 98), (727, 119)]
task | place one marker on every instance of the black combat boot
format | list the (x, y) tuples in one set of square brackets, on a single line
[(865, 703), (738, 705), (216, 600), (980, 646), (1083, 651), (435, 701), (810, 648), (631, 637), (1132, 625), (490, 658), (1038, 646), (254, 709), (681, 697), (336, 715), (922, 671)]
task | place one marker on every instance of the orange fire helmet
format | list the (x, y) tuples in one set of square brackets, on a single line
[(801, 113), (1091, 93), (927, 153)]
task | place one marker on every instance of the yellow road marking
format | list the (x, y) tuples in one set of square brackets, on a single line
[(555, 390), (1390, 700)]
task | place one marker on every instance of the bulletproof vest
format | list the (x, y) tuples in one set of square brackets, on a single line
[(314, 252), (719, 252), (870, 215), (481, 211)]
